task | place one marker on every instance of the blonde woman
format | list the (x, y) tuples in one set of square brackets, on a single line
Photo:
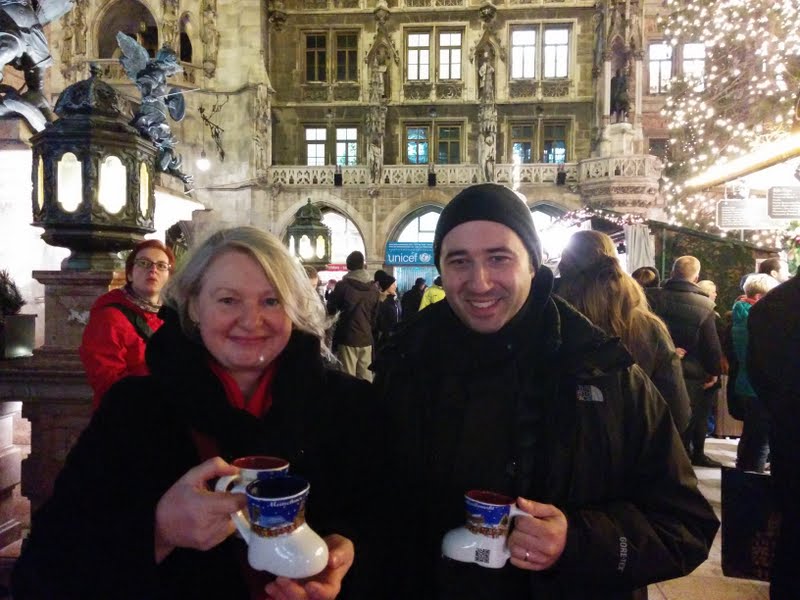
[(595, 283)]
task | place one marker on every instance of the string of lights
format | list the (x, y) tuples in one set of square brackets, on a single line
[(746, 97)]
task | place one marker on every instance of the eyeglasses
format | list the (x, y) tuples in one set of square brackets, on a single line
[(145, 264)]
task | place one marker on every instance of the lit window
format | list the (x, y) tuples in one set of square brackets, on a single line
[(694, 62), (660, 67), (346, 146), (420, 229), (419, 56), (417, 139), (522, 143), (315, 146), (346, 57), (554, 143), (450, 55), (556, 52), (448, 145), (523, 54), (316, 55)]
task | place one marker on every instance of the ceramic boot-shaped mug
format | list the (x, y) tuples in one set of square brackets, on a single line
[(483, 539), (279, 539), (250, 469)]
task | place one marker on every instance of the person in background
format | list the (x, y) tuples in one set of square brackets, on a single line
[(122, 320), (412, 298), (389, 312), (503, 386), (329, 288), (355, 299), (647, 277), (236, 370), (378, 276), (775, 268), (691, 320), (709, 288), (593, 281), (773, 365), (313, 278), (432, 294), (753, 448)]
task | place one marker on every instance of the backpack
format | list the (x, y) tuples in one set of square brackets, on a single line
[(138, 321)]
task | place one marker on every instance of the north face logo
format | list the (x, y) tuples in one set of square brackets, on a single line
[(589, 393)]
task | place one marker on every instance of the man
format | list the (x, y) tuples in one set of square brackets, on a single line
[(504, 387), (412, 298), (355, 298), (774, 368), (433, 294), (775, 267), (690, 318)]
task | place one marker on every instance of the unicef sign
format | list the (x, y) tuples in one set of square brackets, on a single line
[(406, 254)]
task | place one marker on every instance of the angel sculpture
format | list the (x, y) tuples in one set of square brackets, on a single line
[(24, 47), (158, 101)]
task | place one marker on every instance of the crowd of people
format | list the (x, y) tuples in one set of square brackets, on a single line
[(584, 397)]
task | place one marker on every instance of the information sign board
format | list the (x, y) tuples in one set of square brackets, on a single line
[(745, 214), (783, 202)]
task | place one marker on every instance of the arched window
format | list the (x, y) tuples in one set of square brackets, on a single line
[(185, 41), (421, 228), (345, 236), (130, 17)]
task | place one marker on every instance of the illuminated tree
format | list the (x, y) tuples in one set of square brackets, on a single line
[(747, 94)]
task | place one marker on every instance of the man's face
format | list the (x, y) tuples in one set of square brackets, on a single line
[(486, 274), (783, 274)]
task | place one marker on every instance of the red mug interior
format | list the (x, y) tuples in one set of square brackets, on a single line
[(261, 463), (487, 497)]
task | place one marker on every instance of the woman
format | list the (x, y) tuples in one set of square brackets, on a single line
[(121, 321), (593, 281), (236, 370), (753, 449)]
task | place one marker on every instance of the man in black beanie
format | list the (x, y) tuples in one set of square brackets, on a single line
[(503, 386)]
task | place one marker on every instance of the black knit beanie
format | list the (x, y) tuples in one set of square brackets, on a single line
[(489, 202)]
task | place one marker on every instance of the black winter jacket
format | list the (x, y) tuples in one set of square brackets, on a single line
[(356, 300), (691, 320), (94, 538), (548, 408)]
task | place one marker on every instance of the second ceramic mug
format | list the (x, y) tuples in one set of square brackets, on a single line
[(483, 539), (252, 468)]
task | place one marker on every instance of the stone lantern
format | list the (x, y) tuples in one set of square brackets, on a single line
[(93, 177), (308, 238)]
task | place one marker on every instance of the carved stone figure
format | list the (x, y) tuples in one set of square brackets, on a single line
[(375, 158), (262, 112), (169, 25), (486, 78), (23, 46), (67, 45), (209, 35), (79, 27), (620, 101), (158, 101), (488, 152)]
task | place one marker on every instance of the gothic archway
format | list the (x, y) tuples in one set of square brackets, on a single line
[(128, 16)]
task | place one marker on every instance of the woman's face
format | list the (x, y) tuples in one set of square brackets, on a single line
[(148, 275), (242, 323)]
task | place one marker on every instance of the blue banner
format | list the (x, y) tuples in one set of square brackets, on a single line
[(406, 254)]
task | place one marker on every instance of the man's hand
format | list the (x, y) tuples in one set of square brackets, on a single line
[(324, 586), (712, 379), (538, 542), (188, 515)]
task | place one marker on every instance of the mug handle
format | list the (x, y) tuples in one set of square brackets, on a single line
[(226, 483), (518, 512)]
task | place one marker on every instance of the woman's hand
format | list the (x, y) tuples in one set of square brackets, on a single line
[(324, 586), (188, 515)]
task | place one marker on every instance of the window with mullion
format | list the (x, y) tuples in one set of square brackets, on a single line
[(523, 53), (660, 67), (417, 145), (522, 143), (346, 146), (419, 56), (694, 62), (346, 57), (554, 143), (450, 55), (316, 56), (448, 145), (315, 146), (556, 52)]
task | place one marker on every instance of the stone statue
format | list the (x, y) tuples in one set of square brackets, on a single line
[(488, 157), (158, 101), (620, 102), (169, 24), (79, 26), (375, 158), (24, 47), (486, 78), (209, 35)]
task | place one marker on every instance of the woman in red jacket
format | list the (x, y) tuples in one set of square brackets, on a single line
[(122, 320)]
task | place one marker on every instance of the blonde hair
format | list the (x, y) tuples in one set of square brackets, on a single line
[(594, 282), (300, 301), (759, 283)]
